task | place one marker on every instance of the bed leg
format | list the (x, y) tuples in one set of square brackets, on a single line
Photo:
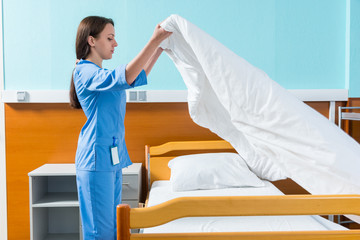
[(123, 222)]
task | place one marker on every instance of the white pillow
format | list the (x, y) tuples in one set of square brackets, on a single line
[(211, 171)]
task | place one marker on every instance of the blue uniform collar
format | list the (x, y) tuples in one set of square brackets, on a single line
[(83, 61)]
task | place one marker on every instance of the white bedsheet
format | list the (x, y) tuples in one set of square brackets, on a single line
[(278, 135), (161, 192)]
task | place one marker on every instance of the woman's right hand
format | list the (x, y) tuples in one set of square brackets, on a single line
[(160, 34)]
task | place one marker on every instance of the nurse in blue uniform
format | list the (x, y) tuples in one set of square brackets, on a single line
[(101, 152)]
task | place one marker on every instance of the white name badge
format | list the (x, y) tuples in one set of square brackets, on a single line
[(115, 155)]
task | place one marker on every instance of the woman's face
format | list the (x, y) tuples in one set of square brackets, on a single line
[(105, 44)]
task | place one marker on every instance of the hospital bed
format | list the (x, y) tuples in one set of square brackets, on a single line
[(260, 212)]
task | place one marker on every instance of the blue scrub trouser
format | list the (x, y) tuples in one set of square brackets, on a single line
[(99, 194)]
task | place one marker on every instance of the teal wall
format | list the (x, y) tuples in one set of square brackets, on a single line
[(354, 68), (301, 44)]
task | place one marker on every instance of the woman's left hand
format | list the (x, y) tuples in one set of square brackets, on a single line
[(160, 34)]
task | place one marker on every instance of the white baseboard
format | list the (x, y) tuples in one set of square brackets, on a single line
[(148, 96)]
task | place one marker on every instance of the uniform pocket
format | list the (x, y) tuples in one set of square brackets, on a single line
[(103, 160)]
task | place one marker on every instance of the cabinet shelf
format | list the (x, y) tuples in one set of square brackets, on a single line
[(67, 199), (62, 236)]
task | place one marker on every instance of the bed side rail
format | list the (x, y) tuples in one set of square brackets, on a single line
[(240, 206)]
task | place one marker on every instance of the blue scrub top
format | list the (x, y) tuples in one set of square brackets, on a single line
[(101, 93)]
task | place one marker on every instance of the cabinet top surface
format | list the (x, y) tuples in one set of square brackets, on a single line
[(68, 169)]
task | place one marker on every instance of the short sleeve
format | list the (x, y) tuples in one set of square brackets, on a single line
[(107, 80), (112, 80), (140, 80), (94, 78)]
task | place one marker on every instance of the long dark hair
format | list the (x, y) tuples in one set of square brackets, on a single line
[(89, 26)]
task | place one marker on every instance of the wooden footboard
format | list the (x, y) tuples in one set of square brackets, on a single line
[(128, 218)]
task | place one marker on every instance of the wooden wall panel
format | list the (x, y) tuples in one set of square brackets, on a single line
[(47, 133), (156, 123), (35, 134)]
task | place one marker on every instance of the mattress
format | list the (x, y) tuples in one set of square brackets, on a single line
[(161, 192)]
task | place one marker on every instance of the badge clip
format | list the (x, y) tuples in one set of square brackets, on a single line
[(114, 153)]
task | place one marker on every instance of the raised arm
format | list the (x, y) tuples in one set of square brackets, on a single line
[(154, 57), (147, 56)]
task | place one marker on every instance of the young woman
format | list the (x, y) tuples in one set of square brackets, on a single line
[(101, 153)]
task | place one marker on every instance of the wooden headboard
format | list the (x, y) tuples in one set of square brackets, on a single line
[(156, 161), (158, 157)]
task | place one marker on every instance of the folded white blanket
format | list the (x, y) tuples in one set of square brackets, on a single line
[(278, 135)]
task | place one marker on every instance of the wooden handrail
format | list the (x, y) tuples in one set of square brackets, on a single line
[(244, 206), (189, 145)]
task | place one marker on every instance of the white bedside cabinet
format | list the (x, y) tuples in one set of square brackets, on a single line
[(54, 206), (131, 187)]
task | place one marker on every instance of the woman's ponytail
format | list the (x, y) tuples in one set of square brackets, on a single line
[(74, 101)]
